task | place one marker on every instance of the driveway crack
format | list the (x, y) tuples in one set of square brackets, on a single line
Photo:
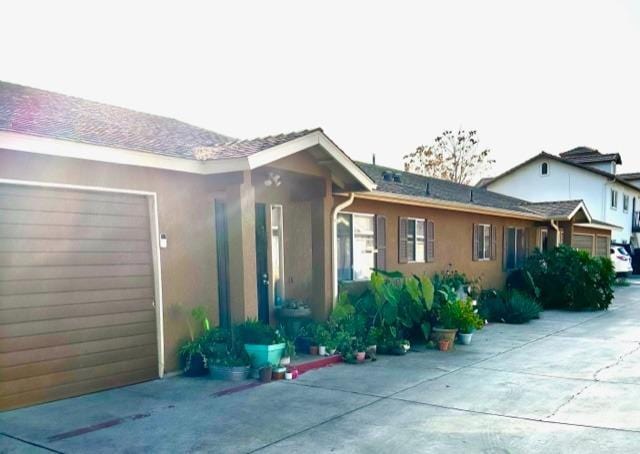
[(620, 359)]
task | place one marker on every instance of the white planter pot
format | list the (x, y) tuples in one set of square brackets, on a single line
[(285, 360), (322, 350), (288, 375), (465, 338)]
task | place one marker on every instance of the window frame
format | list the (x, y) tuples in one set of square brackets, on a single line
[(625, 202), (519, 231), (280, 234), (352, 214), (415, 258), (542, 166), (541, 231), (484, 228), (614, 199)]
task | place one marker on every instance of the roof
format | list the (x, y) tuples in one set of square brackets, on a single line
[(558, 210), (586, 155), (630, 176), (596, 224), (44, 113), (415, 185), (484, 181), (551, 157)]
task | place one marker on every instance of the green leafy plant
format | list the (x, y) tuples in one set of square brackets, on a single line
[(469, 320), (255, 332), (508, 307), (522, 281)]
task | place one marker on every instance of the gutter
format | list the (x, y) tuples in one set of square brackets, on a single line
[(554, 224), (334, 242)]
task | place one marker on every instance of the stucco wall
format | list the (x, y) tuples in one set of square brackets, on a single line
[(453, 239), (185, 210)]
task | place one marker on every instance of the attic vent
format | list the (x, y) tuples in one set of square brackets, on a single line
[(471, 198), (396, 177), (428, 190), (387, 176)]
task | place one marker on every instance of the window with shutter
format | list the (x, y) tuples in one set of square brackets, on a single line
[(475, 245), (431, 241), (402, 240), (411, 240)]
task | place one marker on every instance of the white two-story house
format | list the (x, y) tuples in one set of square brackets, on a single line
[(578, 174)]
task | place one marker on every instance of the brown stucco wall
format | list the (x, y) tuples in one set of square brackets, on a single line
[(185, 211), (453, 239)]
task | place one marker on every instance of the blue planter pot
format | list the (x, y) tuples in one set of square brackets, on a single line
[(263, 354)]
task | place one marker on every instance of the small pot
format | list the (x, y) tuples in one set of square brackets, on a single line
[(444, 345), (294, 373), (465, 338), (288, 375), (360, 356), (278, 373), (285, 360), (265, 374), (322, 350), (313, 350), (372, 349)]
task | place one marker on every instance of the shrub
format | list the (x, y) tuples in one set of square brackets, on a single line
[(571, 279), (256, 332), (522, 281), (508, 307)]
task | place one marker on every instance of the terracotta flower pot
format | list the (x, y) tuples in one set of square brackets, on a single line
[(265, 374), (313, 350), (443, 344), (360, 356)]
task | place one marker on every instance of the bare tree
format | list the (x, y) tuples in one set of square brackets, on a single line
[(453, 156)]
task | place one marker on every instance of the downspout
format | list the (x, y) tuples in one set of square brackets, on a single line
[(554, 224), (334, 242)]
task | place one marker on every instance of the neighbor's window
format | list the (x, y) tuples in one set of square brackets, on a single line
[(356, 246), (614, 199), (412, 240), (515, 247), (625, 202), (543, 239), (544, 169)]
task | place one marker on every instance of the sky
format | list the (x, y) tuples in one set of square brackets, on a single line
[(378, 77)]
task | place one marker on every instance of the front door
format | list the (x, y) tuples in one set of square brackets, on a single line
[(262, 267)]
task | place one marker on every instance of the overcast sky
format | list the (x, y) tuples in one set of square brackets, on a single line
[(379, 77)]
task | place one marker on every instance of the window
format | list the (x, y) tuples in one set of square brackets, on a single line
[(277, 256), (514, 247), (625, 203), (356, 249), (543, 239), (412, 240), (484, 244), (544, 169), (614, 199)]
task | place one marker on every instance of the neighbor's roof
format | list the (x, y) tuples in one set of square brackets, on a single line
[(630, 176), (587, 155), (484, 181), (415, 185), (551, 157), (44, 113), (557, 210)]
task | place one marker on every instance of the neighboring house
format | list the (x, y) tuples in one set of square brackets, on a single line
[(581, 173), (113, 222)]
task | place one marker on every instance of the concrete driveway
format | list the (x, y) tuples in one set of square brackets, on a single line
[(569, 382)]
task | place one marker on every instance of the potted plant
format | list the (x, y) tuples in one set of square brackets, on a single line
[(229, 366), (448, 316), (372, 340), (289, 352), (262, 343), (265, 373), (322, 338), (360, 350), (191, 354), (468, 322)]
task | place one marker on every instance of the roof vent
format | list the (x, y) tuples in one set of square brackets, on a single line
[(471, 198), (387, 176), (396, 177), (428, 190)]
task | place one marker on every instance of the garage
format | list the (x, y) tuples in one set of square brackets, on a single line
[(582, 242), (77, 299)]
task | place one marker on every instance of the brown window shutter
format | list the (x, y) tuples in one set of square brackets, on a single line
[(505, 247), (381, 242), (402, 240), (476, 245), (430, 247), (494, 247)]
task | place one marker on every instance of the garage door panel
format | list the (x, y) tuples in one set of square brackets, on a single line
[(15, 344), (46, 205), (71, 194), (75, 389), (67, 232), (76, 293), (67, 324), (59, 272), (76, 350), (80, 297), (38, 245), (11, 316), (75, 375), (77, 362), (11, 216), (70, 285), (16, 259), (582, 242)]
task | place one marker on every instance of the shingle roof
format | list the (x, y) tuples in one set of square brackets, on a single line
[(484, 181), (415, 185), (586, 155), (630, 176), (44, 113), (556, 209), (243, 148)]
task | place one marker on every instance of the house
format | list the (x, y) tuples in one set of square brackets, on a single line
[(113, 220), (581, 173)]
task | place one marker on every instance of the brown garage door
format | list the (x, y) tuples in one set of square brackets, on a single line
[(582, 242), (76, 293)]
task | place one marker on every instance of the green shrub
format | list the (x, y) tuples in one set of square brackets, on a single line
[(508, 307), (255, 332), (571, 279), (522, 281)]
